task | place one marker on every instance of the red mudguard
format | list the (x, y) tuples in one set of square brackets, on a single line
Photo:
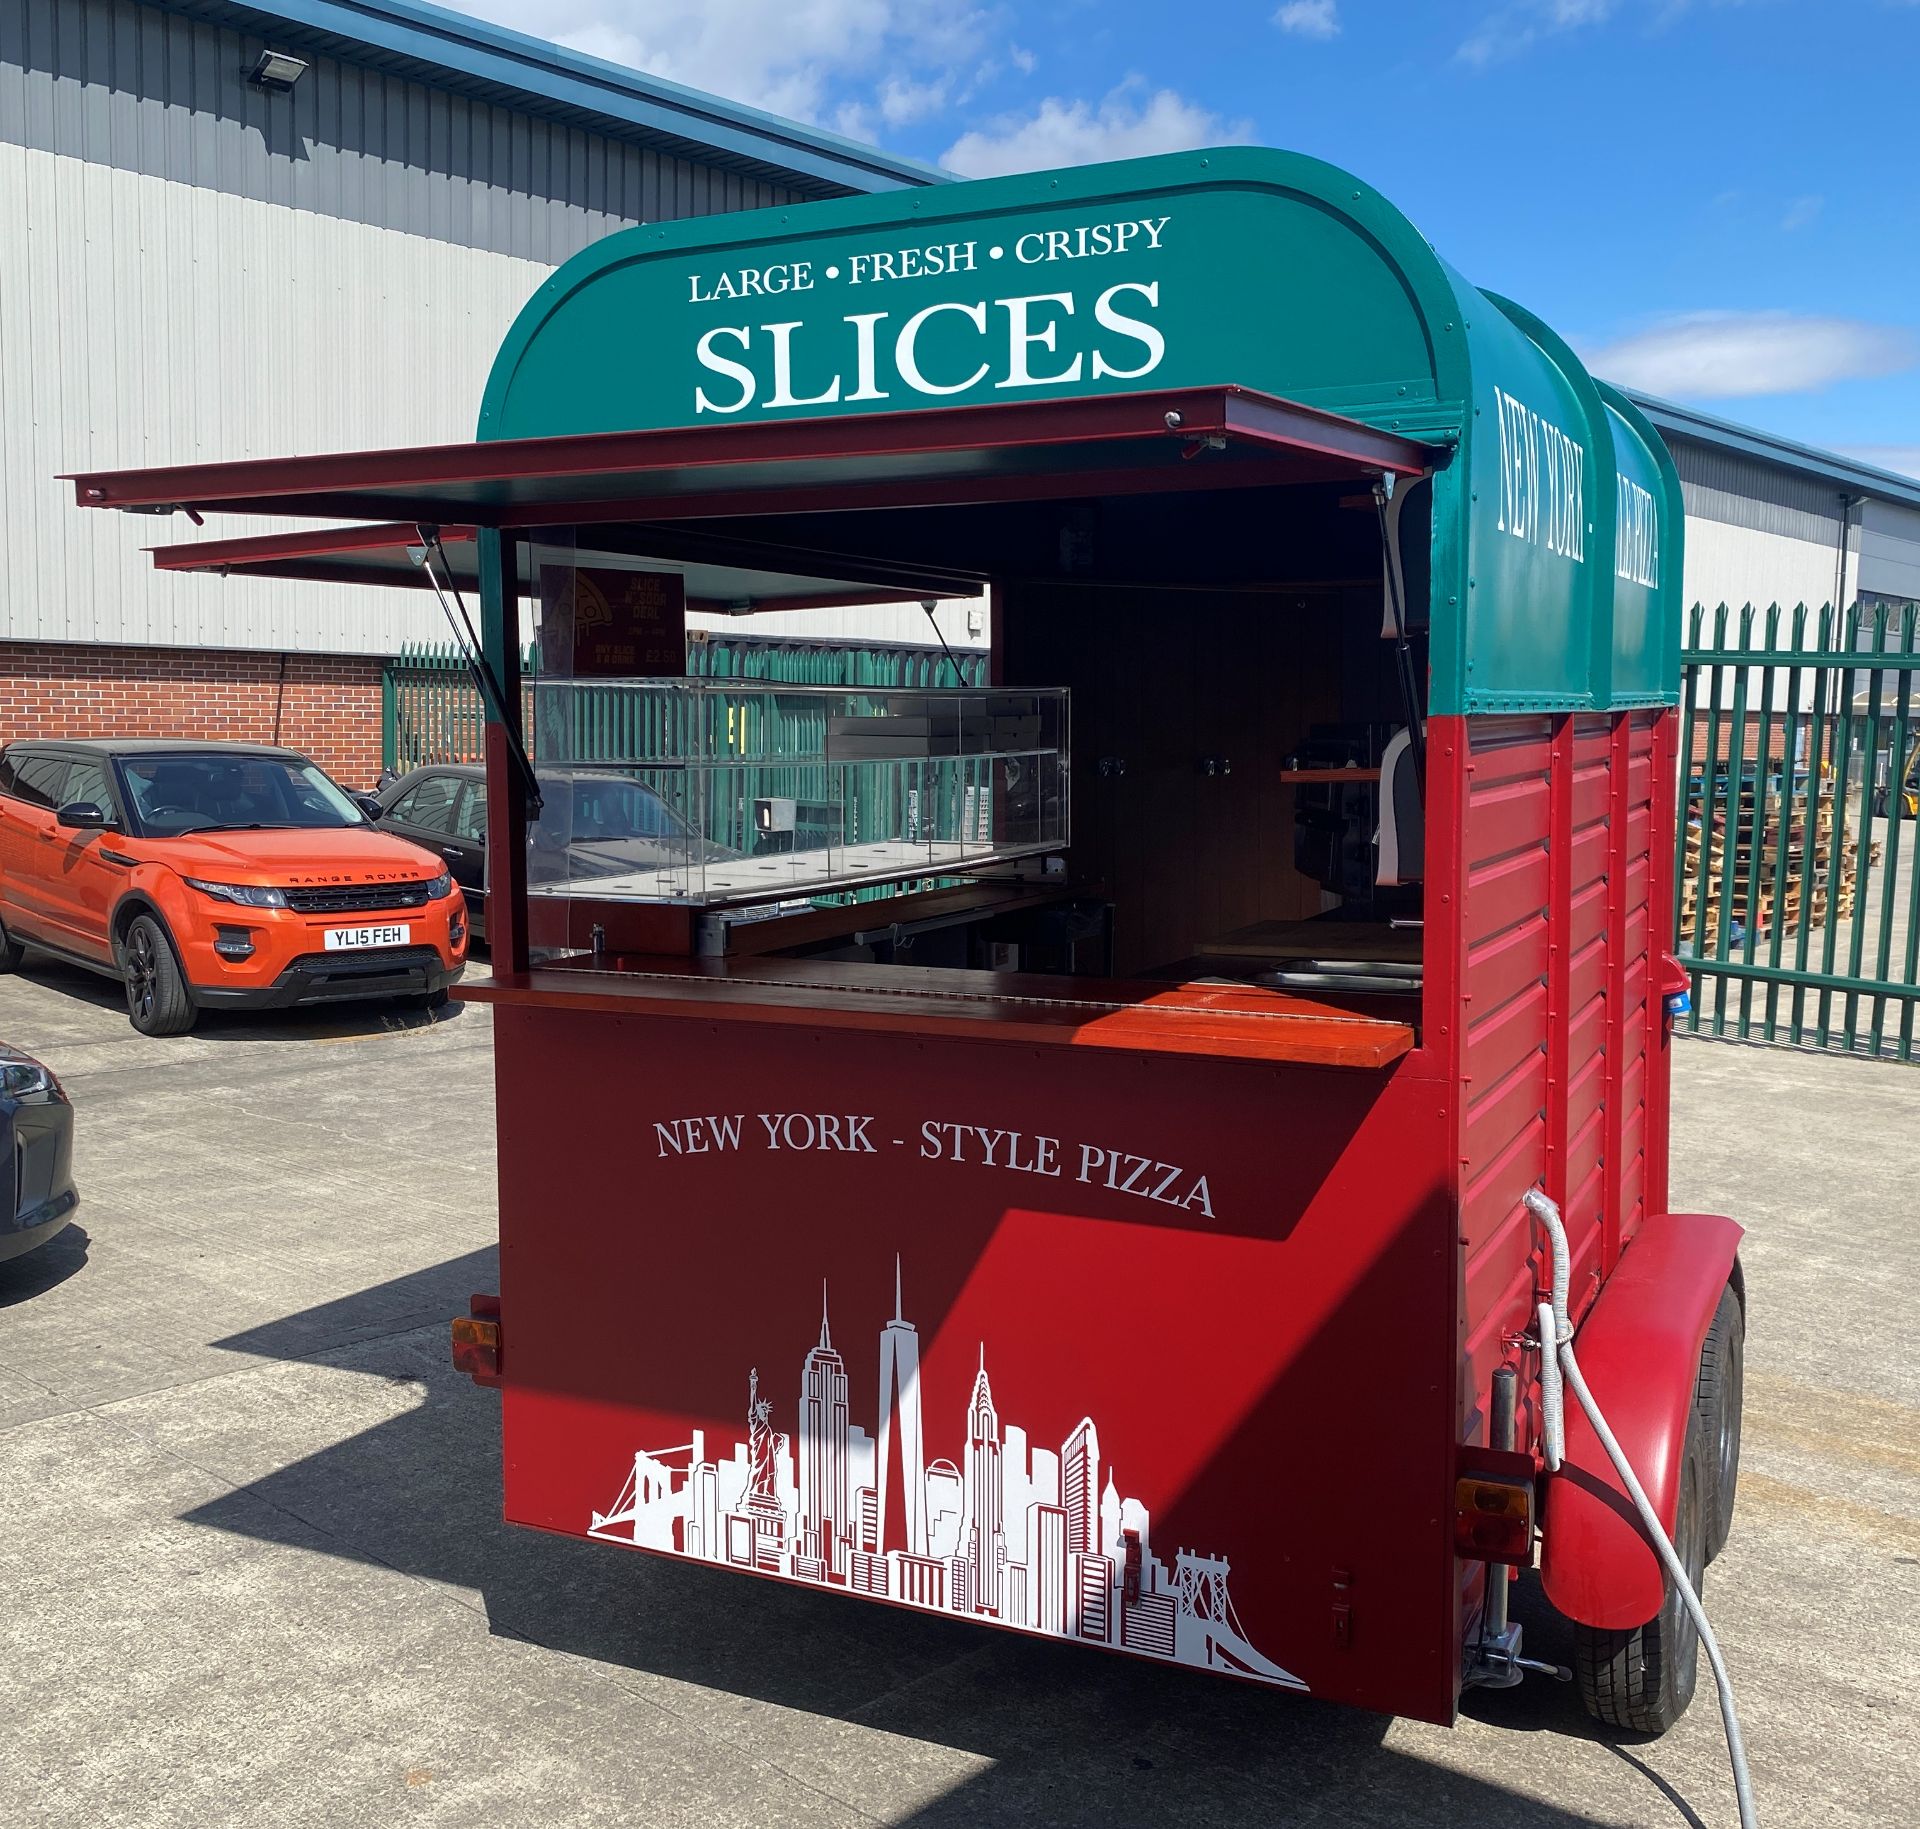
[(1639, 1348)]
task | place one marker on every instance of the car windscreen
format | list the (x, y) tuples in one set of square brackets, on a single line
[(611, 807), (174, 795)]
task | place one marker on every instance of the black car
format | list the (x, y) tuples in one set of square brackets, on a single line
[(613, 825), (37, 1195)]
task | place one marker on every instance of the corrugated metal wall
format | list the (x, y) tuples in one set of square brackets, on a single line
[(1889, 536), (191, 269), (150, 91), (1757, 533)]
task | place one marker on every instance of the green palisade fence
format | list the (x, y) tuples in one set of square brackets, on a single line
[(1797, 875), (431, 713)]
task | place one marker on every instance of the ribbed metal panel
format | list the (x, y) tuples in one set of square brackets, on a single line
[(150, 91), (1736, 565), (191, 269), (1739, 491), (144, 321), (1889, 538)]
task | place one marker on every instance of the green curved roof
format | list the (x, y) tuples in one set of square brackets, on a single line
[(1556, 523)]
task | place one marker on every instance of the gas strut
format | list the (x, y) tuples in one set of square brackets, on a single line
[(473, 656)]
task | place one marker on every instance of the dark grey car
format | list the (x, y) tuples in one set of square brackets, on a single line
[(37, 1195), (614, 825)]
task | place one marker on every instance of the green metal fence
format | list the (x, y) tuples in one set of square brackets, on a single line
[(430, 711), (1797, 875)]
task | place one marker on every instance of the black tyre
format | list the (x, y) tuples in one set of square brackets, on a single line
[(11, 952), (157, 1000), (1642, 1680), (1717, 1396)]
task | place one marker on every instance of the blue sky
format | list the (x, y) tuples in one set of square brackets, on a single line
[(1709, 198)]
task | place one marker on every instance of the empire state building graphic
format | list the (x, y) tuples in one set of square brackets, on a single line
[(1020, 1533)]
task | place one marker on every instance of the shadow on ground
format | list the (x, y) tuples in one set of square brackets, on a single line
[(44, 1267), (1074, 1738)]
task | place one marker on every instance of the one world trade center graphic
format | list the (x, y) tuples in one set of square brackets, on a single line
[(901, 1468)]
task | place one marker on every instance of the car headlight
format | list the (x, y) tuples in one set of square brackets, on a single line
[(22, 1077), (247, 895), (442, 885)]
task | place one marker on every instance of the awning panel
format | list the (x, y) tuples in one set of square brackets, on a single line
[(1218, 437)]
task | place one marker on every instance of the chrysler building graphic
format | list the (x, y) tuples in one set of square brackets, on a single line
[(1038, 1538)]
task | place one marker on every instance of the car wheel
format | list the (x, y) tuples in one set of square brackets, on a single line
[(1642, 1680), (157, 1000), (1717, 1396), (11, 951)]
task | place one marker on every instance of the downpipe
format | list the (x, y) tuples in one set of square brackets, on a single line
[(1560, 1372)]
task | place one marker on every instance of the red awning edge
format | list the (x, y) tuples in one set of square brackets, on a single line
[(1003, 446)]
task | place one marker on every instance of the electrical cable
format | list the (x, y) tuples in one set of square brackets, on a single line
[(1402, 646), (1557, 1326)]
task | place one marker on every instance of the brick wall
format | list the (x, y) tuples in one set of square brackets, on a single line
[(325, 705)]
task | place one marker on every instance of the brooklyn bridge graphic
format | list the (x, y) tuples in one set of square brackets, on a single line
[(1022, 1534)]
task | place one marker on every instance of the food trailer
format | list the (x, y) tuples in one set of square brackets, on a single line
[(1054, 1153)]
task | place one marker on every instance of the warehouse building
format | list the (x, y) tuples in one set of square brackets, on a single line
[(194, 198), (1771, 521)]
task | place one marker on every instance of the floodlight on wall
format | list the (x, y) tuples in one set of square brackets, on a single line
[(276, 70)]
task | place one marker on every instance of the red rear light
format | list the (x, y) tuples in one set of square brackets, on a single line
[(1493, 1518)]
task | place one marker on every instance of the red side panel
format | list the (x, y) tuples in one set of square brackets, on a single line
[(1638, 1350), (1562, 1053), (1562, 879), (1503, 1092)]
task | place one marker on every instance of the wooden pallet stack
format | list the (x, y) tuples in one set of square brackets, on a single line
[(1727, 869)]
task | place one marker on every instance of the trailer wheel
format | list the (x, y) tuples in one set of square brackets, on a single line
[(1642, 1680), (1717, 1395)]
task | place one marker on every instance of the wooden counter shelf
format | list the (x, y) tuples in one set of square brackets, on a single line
[(1221, 1022)]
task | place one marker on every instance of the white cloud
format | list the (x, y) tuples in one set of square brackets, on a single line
[(903, 100), (1309, 18), (792, 57), (1905, 459), (1025, 62), (1062, 132), (1801, 212), (1509, 30), (1721, 355)]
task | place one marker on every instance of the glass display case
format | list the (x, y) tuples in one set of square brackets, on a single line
[(716, 792)]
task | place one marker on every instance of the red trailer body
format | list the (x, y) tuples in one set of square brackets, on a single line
[(1161, 1301)]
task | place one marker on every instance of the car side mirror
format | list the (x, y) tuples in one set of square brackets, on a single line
[(369, 804), (84, 816)]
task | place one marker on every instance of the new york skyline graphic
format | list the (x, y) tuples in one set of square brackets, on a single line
[(1022, 1535)]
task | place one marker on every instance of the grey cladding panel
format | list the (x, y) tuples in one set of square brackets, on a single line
[(1889, 550), (134, 86), (1739, 491)]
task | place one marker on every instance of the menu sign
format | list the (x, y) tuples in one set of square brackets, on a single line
[(601, 623)]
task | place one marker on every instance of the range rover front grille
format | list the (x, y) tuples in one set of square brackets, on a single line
[(353, 898)]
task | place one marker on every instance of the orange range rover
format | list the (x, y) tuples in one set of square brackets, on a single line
[(209, 876)]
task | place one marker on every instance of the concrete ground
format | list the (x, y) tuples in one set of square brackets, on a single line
[(252, 1569)]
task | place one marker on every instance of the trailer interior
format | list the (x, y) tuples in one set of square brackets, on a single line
[(1212, 666)]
